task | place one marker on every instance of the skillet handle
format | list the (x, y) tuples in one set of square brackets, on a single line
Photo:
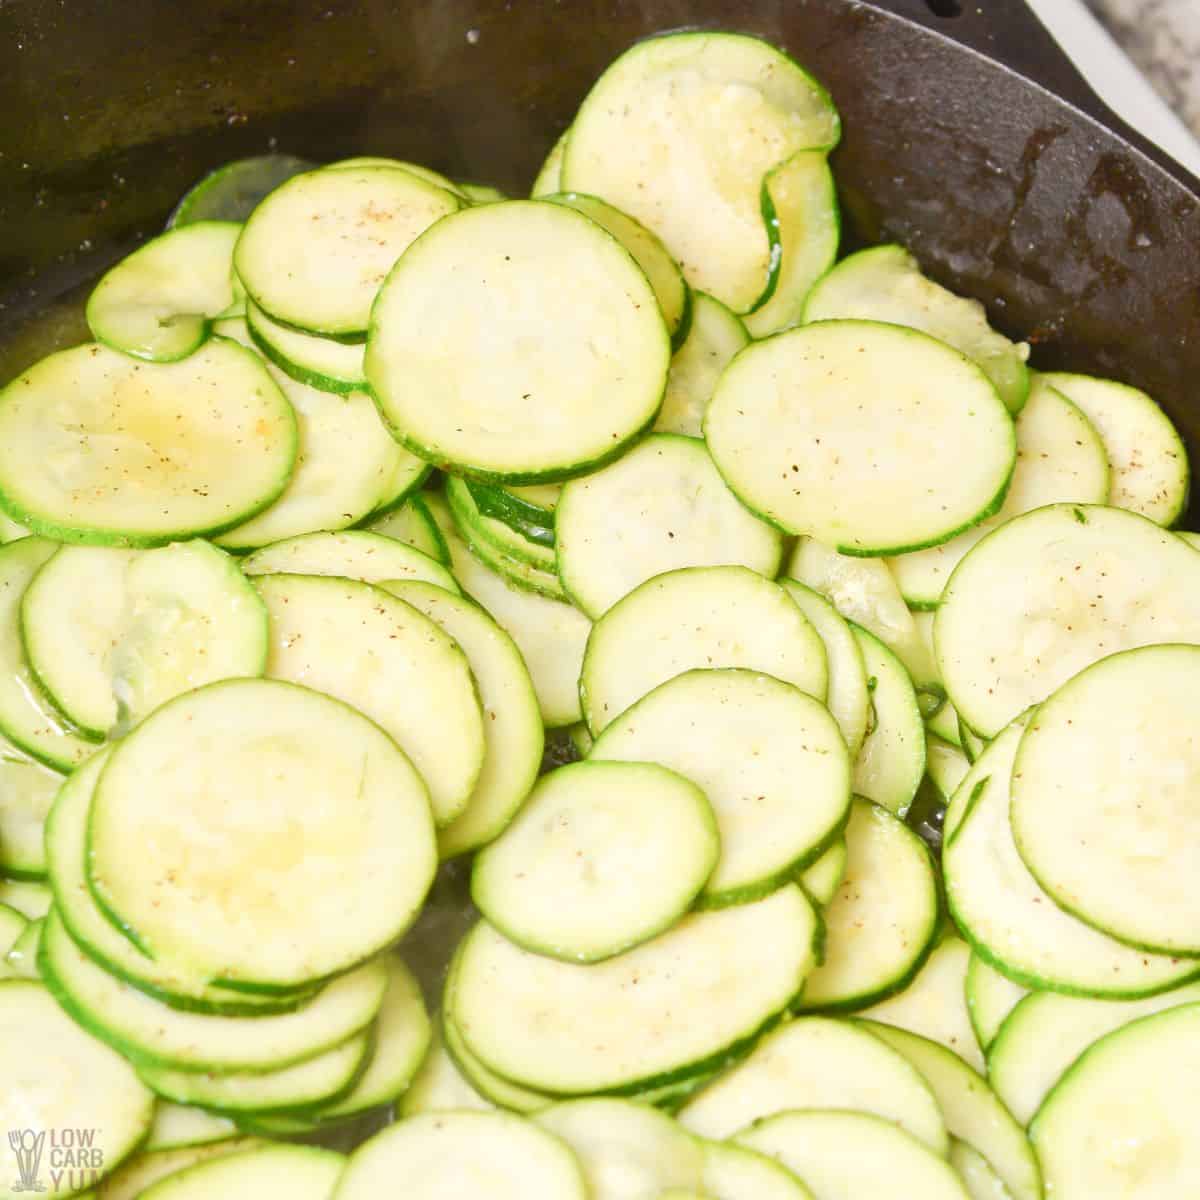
[(1008, 32)]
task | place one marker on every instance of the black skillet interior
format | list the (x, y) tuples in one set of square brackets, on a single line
[(1011, 182)]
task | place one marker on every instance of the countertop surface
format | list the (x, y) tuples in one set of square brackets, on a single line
[(1163, 38)]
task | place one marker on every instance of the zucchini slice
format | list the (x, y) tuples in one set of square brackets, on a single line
[(697, 617), (210, 441), (885, 283), (549, 177), (439, 1084), (849, 698), (502, 546), (349, 554), (603, 857), (672, 292), (991, 997), (881, 924), (512, 729), (301, 801), (934, 1004), (1010, 921), (1150, 471), (821, 880), (346, 466), (315, 251), (981, 1182), (1060, 458), (528, 511), (481, 359), (1050, 593), (412, 524), (233, 191), (316, 361), (159, 302), (494, 1088), (770, 759), (714, 337), (151, 1164), (30, 897), (799, 205), (1047, 1033), (298, 1172), (57, 1076), (151, 1034), (1114, 1126), (27, 791), (596, 1031), (550, 635), (1112, 843), (362, 646), (662, 507), (818, 1063), (177, 1127), (972, 1110), (626, 1149), (681, 131), (851, 1154), (735, 1173), (113, 634), (891, 762), (21, 961), (464, 1154), (838, 430)]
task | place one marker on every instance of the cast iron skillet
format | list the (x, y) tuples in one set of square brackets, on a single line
[(969, 137)]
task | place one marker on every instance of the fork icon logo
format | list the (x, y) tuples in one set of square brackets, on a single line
[(27, 1147)]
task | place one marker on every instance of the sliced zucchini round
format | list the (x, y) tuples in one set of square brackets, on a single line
[(233, 191), (58, 1077), (528, 511), (151, 1034), (150, 1165), (714, 337), (770, 759), (1060, 458), (981, 1182), (30, 897), (881, 924), (821, 430), (27, 790), (662, 507), (362, 646), (972, 1110), (1045, 1035), (495, 541), (891, 762), (464, 1154), (113, 634), (512, 729), (818, 1063), (884, 283), (735, 1173), (304, 805), (934, 1004), (596, 1030), (603, 856), (549, 177), (412, 524), (821, 880), (852, 1154), (706, 617), (1050, 593), (1009, 920), (991, 997), (298, 1172), (160, 301), (1117, 1124), (350, 554), (672, 292), (1112, 842), (346, 464), (315, 251), (316, 361), (97, 447), (494, 1088), (439, 1085), (482, 359), (680, 133), (177, 1127), (1150, 471)]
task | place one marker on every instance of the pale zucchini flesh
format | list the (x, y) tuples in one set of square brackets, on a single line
[(596, 1031), (603, 857), (1050, 593), (882, 921), (149, 1165), (364, 647), (821, 880), (770, 759), (736, 1173), (991, 997), (662, 507), (697, 617), (818, 1063), (234, 190), (27, 791), (842, 430), (316, 361), (439, 1084), (298, 1172), (481, 358), (681, 131), (331, 819), (495, 1089), (176, 1127), (412, 524), (489, 1154), (100, 448)]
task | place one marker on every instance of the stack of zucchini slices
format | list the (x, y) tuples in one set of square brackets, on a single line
[(862, 859)]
